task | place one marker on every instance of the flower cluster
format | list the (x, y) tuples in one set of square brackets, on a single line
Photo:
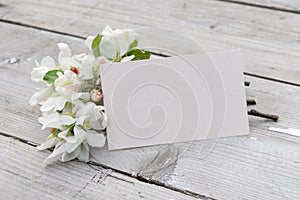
[(71, 103)]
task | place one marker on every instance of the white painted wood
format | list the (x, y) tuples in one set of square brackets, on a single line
[(255, 166), (235, 168), (30, 44), (268, 39), (23, 177), (274, 98)]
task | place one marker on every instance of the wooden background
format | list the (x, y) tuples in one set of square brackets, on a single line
[(263, 165)]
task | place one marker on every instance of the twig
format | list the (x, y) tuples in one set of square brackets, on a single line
[(251, 102), (264, 115), (246, 83)]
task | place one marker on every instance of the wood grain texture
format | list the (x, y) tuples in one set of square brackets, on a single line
[(23, 177), (264, 165), (248, 167), (23, 46), (268, 39)]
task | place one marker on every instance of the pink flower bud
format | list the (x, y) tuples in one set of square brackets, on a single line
[(96, 95), (74, 69)]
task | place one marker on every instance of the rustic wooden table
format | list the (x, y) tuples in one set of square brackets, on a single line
[(263, 165)]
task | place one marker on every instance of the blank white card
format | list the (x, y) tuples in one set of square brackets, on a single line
[(175, 99)]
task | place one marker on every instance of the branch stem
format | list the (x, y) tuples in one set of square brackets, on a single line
[(246, 83), (263, 115), (251, 102)]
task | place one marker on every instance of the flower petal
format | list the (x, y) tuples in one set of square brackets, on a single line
[(48, 144), (55, 155), (88, 42), (41, 95), (95, 139), (55, 120), (66, 63), (58, 103), (107, 48), (80, 120), (73, 147), (48, 62), (86, 109), (38, 73), (79, 58), (107, 30), (50, 120), (84, 155), (67, 120), (87, 68), (101, 123), (69, 139), (49, 104), (70, 156), (65, 51), (96, 113), (80, 134)]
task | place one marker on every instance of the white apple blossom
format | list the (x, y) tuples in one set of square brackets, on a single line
[(88, 119), (48, 63), (88, 66), (65, 89), (114, 43), (65, 59), (55, 120), (87, 138), (42, 68), (92, 116), (76, 146), (67, 84)]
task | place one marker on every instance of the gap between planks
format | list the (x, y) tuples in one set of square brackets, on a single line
[(257, 5), (83, 38)]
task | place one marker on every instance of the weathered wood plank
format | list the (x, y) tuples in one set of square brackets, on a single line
[(24, 45), (274, 98), (245, 167), (237, 167), (269, 39), (23, 177), (288, 6)]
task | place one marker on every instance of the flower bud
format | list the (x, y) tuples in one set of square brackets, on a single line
[(52, 130), (96, 95), (74, 69)]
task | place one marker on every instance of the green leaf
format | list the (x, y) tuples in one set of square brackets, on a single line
[(70, 126), (95, 45), (51, 75), (133, 44), (139, 54)]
